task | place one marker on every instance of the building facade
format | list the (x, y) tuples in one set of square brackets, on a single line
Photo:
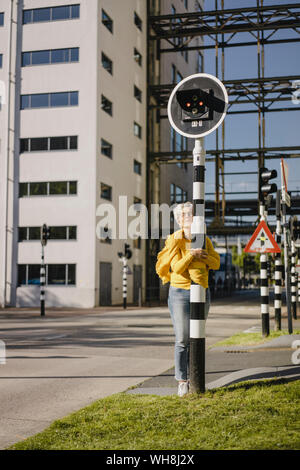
[(72, 138)]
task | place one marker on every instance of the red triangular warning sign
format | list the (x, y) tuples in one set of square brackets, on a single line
[(262, 241)]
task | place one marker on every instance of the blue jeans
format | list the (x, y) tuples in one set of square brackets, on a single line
[(179, 306)]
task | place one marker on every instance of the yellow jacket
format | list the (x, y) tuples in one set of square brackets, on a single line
[(184, 266)]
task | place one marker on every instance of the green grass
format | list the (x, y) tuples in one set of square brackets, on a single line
[(248, 339), (249, 415)]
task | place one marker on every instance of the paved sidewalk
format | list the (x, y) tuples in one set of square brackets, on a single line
[(228, 365)]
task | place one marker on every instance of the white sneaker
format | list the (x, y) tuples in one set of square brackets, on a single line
[(183, 388)]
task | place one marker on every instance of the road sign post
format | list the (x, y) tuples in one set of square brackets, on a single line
[(262, 242), (196, 107), (286, 202)]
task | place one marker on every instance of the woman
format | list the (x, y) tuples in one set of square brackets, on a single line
[(186, 265)]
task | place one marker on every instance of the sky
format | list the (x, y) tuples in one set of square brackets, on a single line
[(282, 128)]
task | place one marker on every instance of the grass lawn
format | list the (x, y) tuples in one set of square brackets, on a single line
[(245, 339), (249, 415)]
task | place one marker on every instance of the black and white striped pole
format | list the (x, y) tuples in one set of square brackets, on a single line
[(45, 235), (124, 281), (264, 286), (265, 189), (294, 236), (278, 266), (123, 257), (298, 277), (287, 274), (42, 284), (196, 107), (293, 280), (198, 292)]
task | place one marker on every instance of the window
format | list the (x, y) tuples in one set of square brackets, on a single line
[(177, 194), (58, 143), (137, 93), (106, 191), (137, 130), (137, 21), (48, 143), (37, 189), (186, 4), (1, 19), (200, 62), (107, 63), (47, 188), (56, 274), (107, 21), (34, 274), (137, 56), (173, 73), (106, 105), (38, 144), (61, 274), (58, 187), (137, 167), (106, 148), (1, 60), (40, 57), (38, 15), (56, 233), (46, 100)]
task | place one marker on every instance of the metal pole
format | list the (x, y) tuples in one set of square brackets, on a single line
[(197, 292), (264, 286), (278, 267), (124, 259), (286, 270), (293, 280), (42, 284)]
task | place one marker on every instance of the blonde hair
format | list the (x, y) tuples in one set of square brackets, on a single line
[(179, 209)]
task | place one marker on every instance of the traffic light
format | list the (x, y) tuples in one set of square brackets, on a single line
[(128, 252), (45, 234), (195, 104), (265, 188), (294, 228)]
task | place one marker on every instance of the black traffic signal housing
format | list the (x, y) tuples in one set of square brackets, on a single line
[(45, 234), (195, 104), (266, 188), (294, 228), (128, 252)]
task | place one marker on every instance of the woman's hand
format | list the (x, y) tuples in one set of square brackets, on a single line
[(199, 253)]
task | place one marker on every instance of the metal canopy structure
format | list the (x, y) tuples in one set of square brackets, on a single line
[(254, 20), (224, 28)]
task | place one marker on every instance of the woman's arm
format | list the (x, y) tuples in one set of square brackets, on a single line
[(180, 263), (213, 258)]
